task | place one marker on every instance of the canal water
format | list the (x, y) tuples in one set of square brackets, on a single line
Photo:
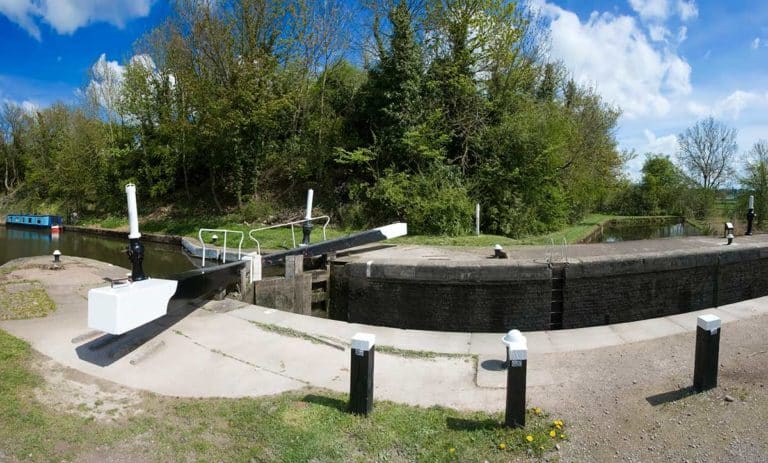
[(160, 260), (633, 231)]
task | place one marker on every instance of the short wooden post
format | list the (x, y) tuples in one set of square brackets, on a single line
[(517, 365), (361, 374), (707, 352)]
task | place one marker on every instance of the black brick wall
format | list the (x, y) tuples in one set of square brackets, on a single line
[(497, 296)]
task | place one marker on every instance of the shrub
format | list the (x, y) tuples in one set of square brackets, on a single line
[(433, 203)]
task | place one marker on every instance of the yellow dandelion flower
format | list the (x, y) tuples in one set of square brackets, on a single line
[(529, 438), (541, 447), (502, 446), (537, 411), (562, 436), (452, 450), (552, 433)]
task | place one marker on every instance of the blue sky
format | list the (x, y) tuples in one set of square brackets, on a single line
[(666, 63)]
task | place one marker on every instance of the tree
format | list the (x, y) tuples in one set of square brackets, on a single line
[(756, 178), (663, 186), (706, 152)]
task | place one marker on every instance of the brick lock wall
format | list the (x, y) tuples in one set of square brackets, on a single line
[(495, 296)]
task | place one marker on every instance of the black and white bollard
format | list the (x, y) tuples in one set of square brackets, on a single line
[(57, 257), (517, 364), (750, 214), (729, 232), (307, 227), (707, 352), (361, 374)]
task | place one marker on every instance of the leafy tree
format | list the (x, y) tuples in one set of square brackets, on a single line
[(663, 187), (755, 180), (14, 129)]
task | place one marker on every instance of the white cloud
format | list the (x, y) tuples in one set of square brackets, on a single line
[(698, 109), (732, 105), (756, 43), (660, 10), (658, 32), (66, 16), (651, 9), (663, 145), (729, 107), (22, 12), (613, 54), (682, 34), (687, 9), (678, 78)]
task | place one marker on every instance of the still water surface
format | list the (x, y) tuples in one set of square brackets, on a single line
[(630, 232), (159, 259)]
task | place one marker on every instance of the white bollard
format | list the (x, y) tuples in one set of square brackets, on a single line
[(310, 195), (133, 213)]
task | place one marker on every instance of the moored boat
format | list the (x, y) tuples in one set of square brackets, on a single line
[(52, 222)]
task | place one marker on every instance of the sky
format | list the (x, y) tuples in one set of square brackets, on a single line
[(665, 63)]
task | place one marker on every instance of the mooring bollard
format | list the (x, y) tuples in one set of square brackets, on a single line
[(750, 214), (729, 232), (361, 374), (707, 352), (517, 364), (57, 257)]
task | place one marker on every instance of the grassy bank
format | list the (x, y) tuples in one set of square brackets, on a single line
[(572, 234), (293, 427), (282, 238), (187, 223)]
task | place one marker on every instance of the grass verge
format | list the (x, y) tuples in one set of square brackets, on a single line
[(299, 426), (572, 233), (24, 299)]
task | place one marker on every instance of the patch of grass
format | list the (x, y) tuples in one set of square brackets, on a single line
[(290, 332), (7, 269), (418, 354), (24, 299), (299, 426)]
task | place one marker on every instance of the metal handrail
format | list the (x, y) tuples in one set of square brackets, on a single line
[(551, 251), (565, 250), (225, 232), (291, 224)]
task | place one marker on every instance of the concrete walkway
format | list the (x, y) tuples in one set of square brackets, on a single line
[(231, 349)]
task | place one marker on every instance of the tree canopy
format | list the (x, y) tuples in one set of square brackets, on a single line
[(236, 102)]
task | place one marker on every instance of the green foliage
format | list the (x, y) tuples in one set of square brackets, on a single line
[(239, 106), (433, 203), (663, 188), (755, 181)]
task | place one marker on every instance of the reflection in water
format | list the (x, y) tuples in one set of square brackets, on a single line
[(630, 232), (159, 259)]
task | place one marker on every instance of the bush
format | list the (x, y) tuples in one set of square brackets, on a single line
[(433, 203)]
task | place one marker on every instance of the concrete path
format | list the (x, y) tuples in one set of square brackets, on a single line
[(231, 349)]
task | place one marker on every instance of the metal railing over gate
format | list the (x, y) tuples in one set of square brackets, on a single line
[(223, 254), (292, 225)]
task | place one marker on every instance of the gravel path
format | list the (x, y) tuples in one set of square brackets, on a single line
[(632, 403)]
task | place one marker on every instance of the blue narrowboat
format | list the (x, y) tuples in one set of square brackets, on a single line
[(37, 221)]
